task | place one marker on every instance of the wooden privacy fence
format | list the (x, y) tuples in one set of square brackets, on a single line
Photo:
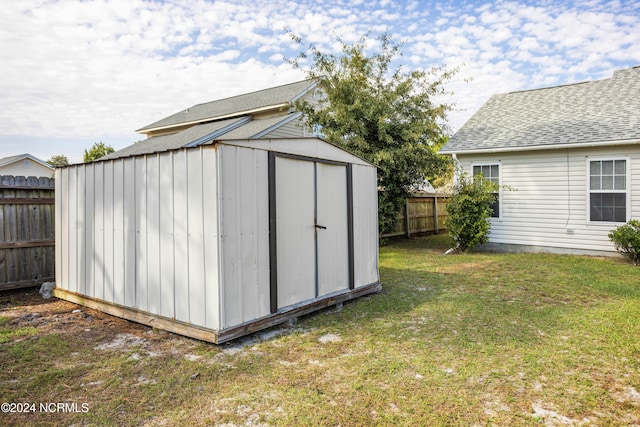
[(421, 215), (27, 242)]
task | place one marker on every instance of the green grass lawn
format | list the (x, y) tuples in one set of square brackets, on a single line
[(472, 340)]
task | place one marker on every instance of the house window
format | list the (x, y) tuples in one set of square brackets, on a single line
[(26, 164), (608, 190), (492, 173), (317, 131)]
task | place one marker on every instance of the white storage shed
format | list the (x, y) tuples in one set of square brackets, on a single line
[(218, 240)]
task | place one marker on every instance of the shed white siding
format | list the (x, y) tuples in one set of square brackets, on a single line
[(365, 224), (244, 224), (547, 205), (296, 259), (187, 238), (128, 234), (333, 240)]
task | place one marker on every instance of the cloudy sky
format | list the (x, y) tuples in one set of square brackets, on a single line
[(73, 73)]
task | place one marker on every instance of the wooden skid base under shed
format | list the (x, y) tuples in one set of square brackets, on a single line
[(210, 335)]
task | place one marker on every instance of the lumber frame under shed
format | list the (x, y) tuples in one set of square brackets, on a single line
[(204, 334)]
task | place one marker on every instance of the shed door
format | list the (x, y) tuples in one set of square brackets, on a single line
[(332, 241), (312, 230)]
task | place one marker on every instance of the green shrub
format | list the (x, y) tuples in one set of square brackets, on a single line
[(626, 239), (469, 210)]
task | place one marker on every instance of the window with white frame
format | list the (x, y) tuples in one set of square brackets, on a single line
[(492, 173), (317, 131), (608, 190)]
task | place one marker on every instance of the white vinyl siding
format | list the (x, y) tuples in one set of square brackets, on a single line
[(547, 203), (293, 129)]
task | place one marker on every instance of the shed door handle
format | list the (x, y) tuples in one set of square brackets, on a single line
[(322, 227)]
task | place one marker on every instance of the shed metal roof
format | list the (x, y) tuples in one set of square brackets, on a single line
[(594, 112), (236, 128)]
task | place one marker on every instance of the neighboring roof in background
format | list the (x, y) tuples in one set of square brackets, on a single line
[(594, 112), (251, 116), (267, 99), (172, 141), (12, 159), (237, 128)]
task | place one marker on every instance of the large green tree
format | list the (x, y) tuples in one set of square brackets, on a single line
[(98, 150), (384, 114), (58, 160)]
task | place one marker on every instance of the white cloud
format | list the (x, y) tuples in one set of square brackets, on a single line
[(88, 71)]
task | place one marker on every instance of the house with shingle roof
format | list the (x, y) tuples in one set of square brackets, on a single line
[(25, 165), (570, 156), (263, 114)]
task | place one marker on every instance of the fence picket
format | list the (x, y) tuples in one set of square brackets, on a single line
[(421, 215), (26, 231)]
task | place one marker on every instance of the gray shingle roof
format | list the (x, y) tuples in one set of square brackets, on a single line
[(7, 160), (236, 128), (242, 103), (591, 112), (173, 141)]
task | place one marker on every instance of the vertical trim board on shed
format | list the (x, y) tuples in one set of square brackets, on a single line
[(167, 236), (98, 230), (212, 269), (89, 224), (107, 231), (195, 250), (79, 237), (181, 287), (140, 184), (152, 260), (129, 233), (119, 248)]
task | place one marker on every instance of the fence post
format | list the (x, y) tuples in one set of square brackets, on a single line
[(407, 228), (436, 226)]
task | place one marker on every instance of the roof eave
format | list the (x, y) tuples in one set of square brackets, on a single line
[(541, 147), (147, 130), (304, 92), (213, 135), (18, 157)]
